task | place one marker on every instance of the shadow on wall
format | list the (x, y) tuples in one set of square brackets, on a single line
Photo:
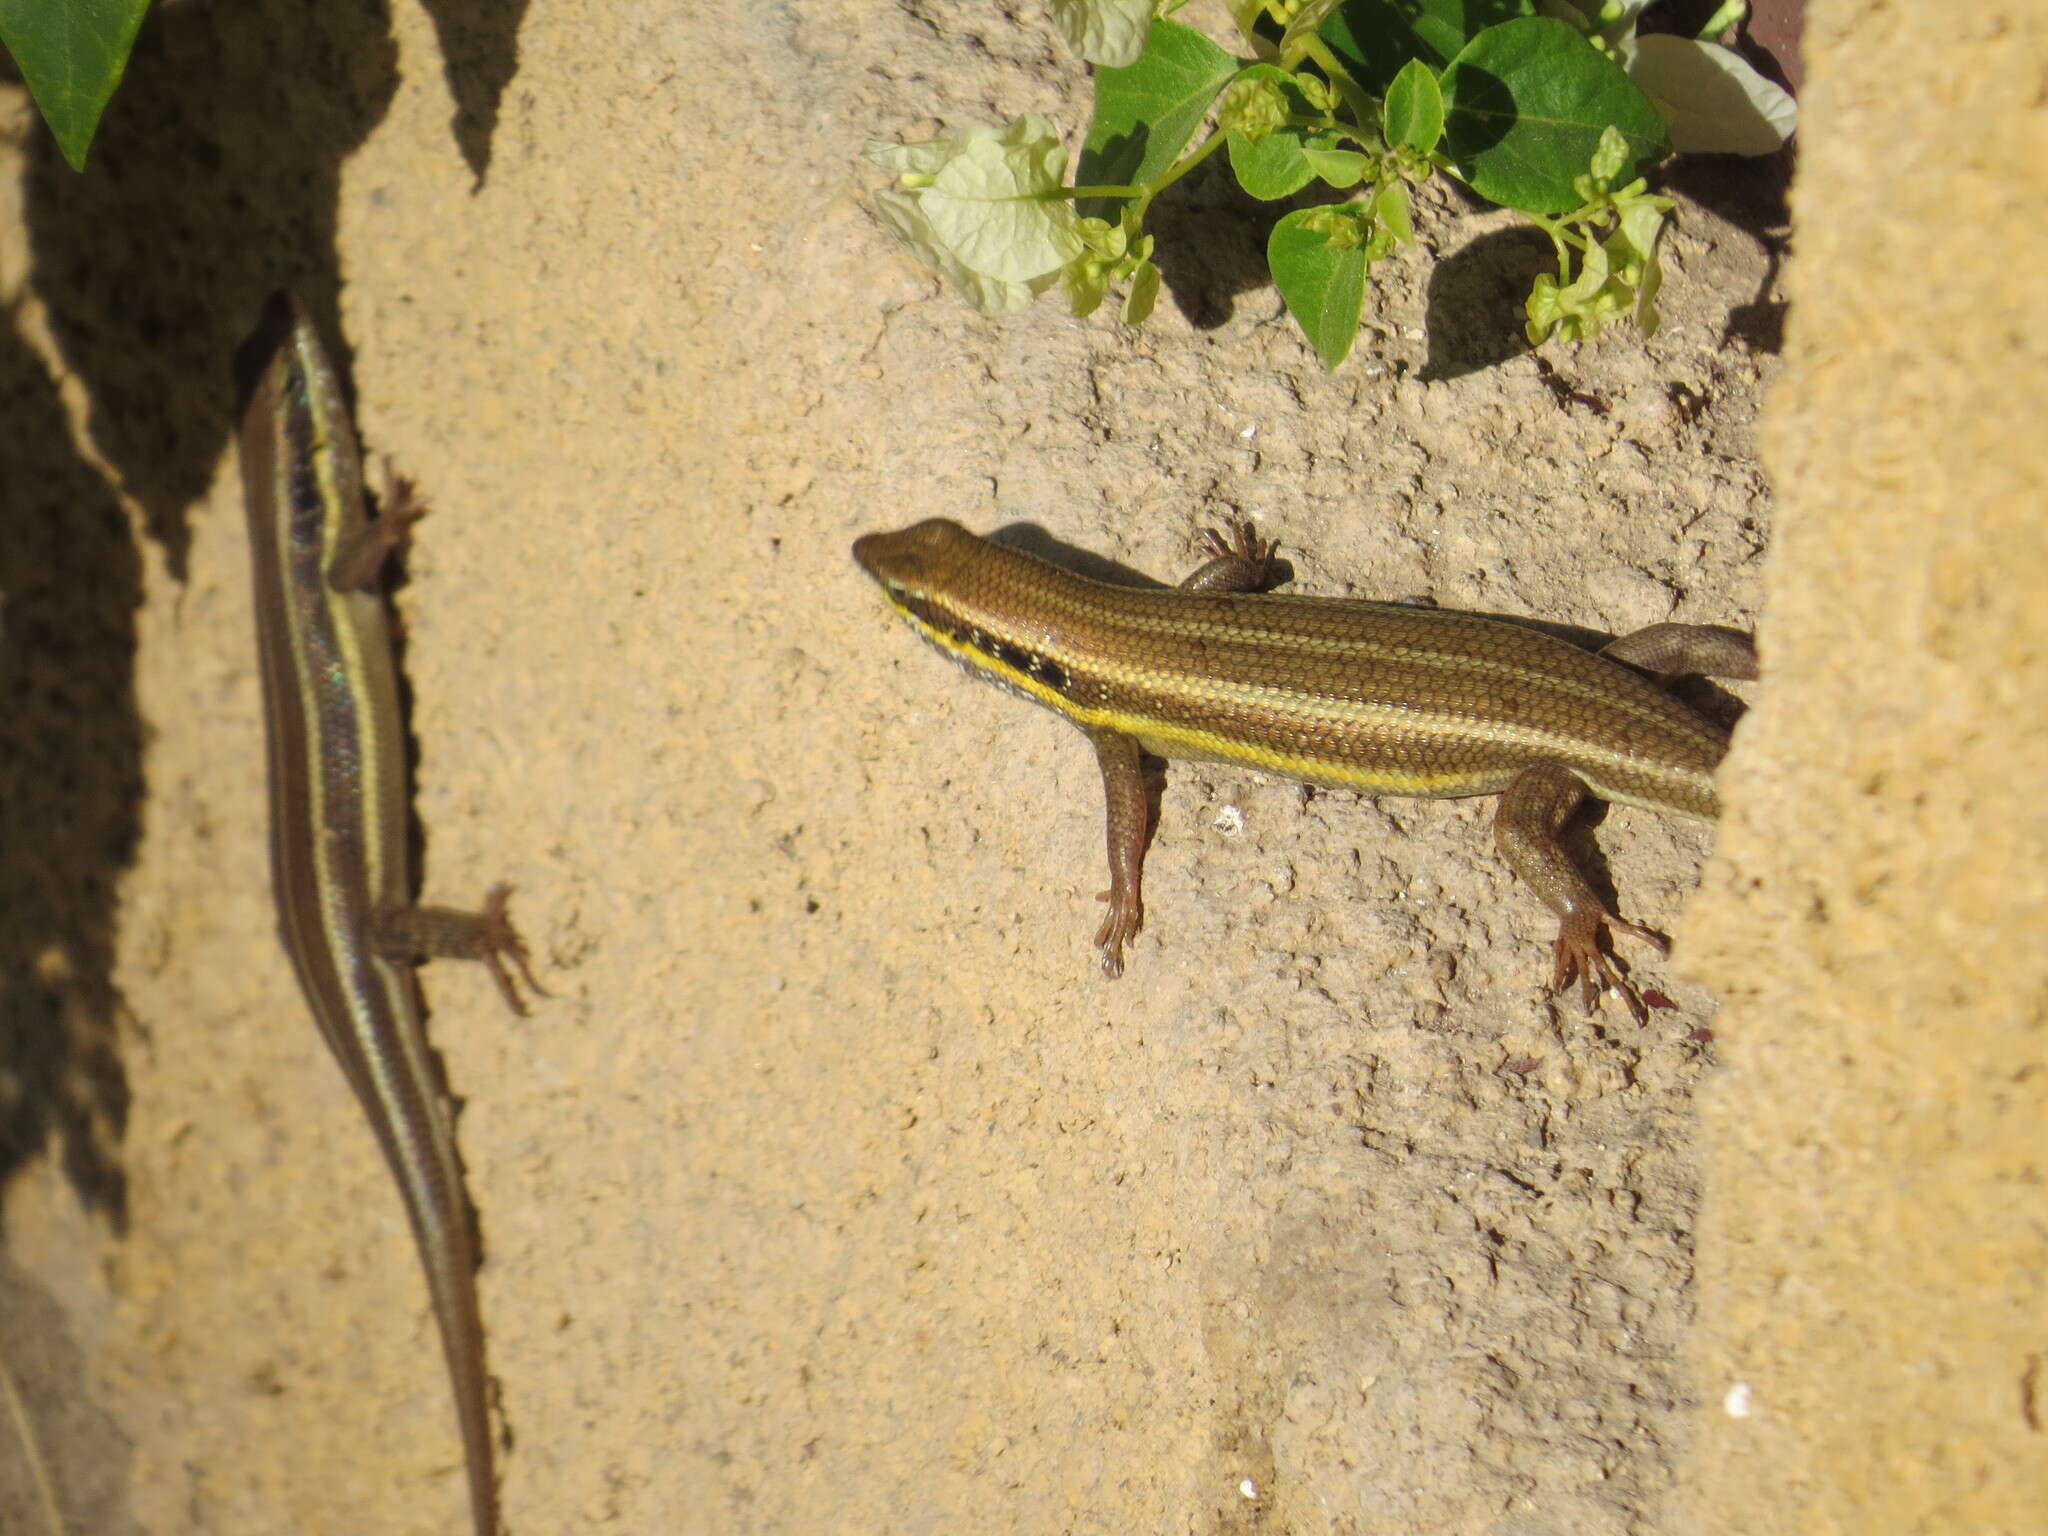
[(70, 788), (212, 182)]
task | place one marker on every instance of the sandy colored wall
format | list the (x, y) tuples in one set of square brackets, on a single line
[(833, 1190), (1874, 1248)]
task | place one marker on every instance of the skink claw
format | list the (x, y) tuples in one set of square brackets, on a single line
[(1580, 955), (1120, 925), (501, 941)]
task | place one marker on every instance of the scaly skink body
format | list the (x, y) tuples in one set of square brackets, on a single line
[(1383, 698), (339, 816)]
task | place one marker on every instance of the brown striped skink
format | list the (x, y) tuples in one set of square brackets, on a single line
[(339, 816), (1383, 698)]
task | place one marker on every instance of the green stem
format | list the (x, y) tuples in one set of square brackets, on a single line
[(1728, 16), (1364, 106), (1174, 173), (1557, 243), (1143, 193), (1369, 143)]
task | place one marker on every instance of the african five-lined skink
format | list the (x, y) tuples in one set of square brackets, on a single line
[(1384, 698), (339, 815)]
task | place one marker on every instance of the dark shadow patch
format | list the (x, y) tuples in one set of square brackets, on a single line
[(1752, 193), (70, 791), (479, 58), (1211, 240), (213, 182), (1475, 304), (1759, 326)]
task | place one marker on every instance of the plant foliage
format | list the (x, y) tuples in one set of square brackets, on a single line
[(71, 54), (1365, 99)]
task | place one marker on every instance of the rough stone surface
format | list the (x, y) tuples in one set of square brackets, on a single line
[(833, 1190), (1874, 1249)]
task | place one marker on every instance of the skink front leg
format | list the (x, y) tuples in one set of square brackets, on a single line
[(1123, 791), (1525, 829), (1237, 563), (359, 562)]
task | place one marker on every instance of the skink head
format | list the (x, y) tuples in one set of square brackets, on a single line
[(919, 558), (983, 604)]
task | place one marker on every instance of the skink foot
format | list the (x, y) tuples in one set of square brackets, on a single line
[(1579, 954)]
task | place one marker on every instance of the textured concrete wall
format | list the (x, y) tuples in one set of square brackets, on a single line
[(832, 1191), (1873, 1340)]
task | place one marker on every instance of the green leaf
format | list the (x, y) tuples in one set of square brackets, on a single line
[(1609, 156), (1414, 112), (1104, 32), (1318, 92), (1390, 210), (1086, 284), (1543, 309), (71, 54), (1111, 256), (1268, 158), (1525, 105), (1376, 38), (1642, 221), (979, 207), (1257, 103), (1306, 22), (983, 203), (1576, 311), (1341, 168), (1146, 113), (990, 295), (1143, 295), (1323, 281), (1710, 98), (1639, 217), (1585, 288), (1273, 168), (1646, 316)]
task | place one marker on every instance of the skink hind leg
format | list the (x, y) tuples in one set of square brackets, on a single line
[(1525, 829), (416, 933), (1687, 650)]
